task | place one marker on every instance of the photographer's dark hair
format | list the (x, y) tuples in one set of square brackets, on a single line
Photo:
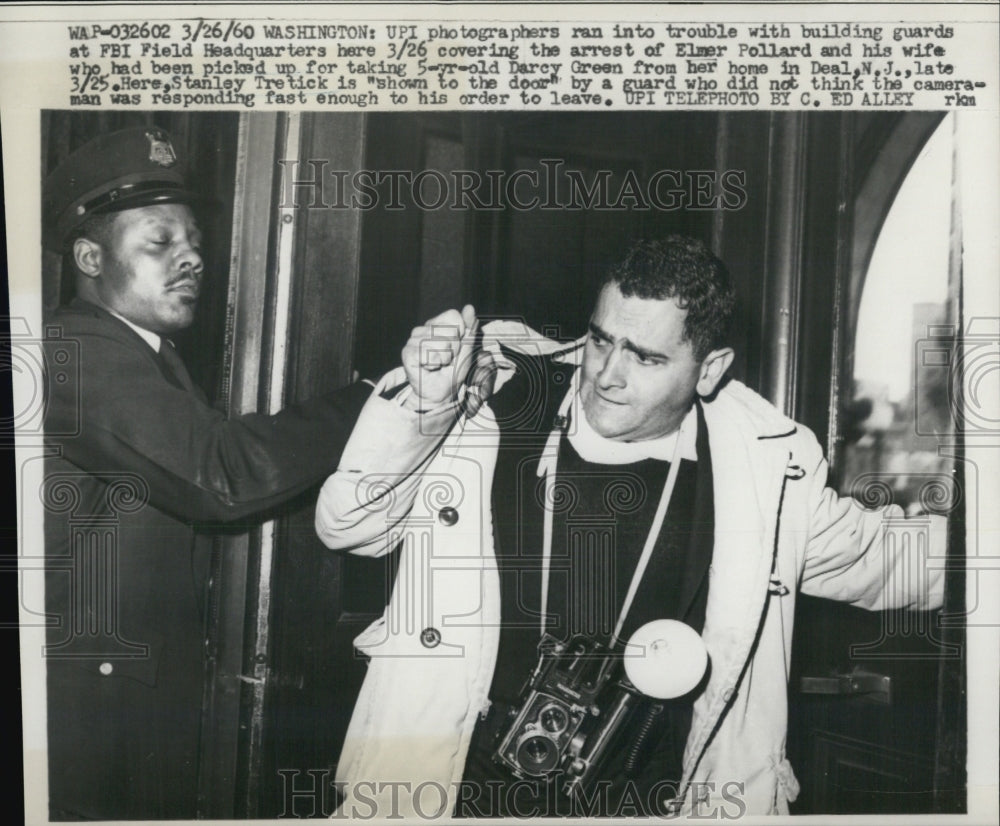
[(684, 269)]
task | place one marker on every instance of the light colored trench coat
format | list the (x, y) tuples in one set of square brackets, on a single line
[(778, 530)]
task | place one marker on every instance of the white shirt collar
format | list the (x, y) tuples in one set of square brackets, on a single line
[(593, 447), (152, 339)]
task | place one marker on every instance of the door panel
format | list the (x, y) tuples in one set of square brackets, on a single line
[(311, 672), (857, 752)]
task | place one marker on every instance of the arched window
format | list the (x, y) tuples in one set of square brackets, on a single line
[(896, 403)]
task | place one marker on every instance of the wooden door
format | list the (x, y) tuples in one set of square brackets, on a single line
[(877, 718)]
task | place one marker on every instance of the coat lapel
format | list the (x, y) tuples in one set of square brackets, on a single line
[(749, 465), (698, 553), (168, 362)]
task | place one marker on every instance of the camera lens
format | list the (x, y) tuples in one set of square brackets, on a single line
[(553, 719), (537, 754)]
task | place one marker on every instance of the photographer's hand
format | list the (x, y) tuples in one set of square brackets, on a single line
[(438, 356)]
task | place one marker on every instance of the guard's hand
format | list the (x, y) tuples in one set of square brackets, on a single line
[(438, 356)]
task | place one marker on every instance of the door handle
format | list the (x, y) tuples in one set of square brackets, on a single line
[(857, 683)]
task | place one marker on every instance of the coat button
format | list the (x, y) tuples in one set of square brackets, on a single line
[(448, 516), (430, 637), (106, 668)]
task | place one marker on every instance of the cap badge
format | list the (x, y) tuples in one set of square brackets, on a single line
[(160, 150)]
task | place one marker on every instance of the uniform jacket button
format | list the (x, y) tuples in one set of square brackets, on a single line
[(106, 668), (448, 516), (430, 637)]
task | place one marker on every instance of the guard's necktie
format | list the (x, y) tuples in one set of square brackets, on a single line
[(176, 366)]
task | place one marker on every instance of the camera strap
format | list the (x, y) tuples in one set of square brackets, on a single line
[(547, 467)]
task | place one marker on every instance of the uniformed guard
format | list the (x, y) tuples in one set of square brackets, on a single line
[(139, 459)]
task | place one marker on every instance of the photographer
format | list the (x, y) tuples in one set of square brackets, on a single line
[(616, 481)]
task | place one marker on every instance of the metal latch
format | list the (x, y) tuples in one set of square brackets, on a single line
[(874, 687)]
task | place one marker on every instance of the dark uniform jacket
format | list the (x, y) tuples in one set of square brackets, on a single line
[(139, 460)]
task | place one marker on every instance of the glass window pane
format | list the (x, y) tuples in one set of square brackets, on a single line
[(898, 413)]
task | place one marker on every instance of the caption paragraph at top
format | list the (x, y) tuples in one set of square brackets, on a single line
[(249, 64)]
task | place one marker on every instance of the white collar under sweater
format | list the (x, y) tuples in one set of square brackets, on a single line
[(593, 447)]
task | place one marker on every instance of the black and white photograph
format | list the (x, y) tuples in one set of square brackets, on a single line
[(485, 464)]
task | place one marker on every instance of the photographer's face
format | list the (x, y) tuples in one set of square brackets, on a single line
[(150, 270), (640, 376)]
